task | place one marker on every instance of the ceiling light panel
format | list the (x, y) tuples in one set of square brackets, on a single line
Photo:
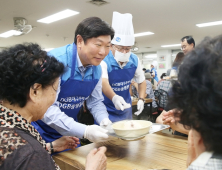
[(143, 34), (58, 16), (209, 24), (48, 49), (172, 45), (10, 33)]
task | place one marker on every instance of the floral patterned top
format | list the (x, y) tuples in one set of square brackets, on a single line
[(21, 146)]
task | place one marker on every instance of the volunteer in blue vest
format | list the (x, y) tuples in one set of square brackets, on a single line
[(119, 67), (154, 72), (81, 81)]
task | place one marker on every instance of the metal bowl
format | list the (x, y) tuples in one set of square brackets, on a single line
[(123, 128)]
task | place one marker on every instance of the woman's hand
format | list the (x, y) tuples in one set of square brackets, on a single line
[(65, 142), (96, 159), (171, 116)]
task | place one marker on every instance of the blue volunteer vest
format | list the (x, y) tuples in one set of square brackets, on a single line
[(73, 92), (120, 80), (156, 77)]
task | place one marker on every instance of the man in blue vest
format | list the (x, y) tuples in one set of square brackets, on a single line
[(81, 81), (119, 67)]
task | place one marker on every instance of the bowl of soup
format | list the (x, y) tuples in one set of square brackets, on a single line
[(131, 128)]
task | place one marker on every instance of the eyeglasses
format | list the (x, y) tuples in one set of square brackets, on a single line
[(183, 47), (121, 49)]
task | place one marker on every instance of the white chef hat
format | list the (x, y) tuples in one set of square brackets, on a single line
[(124, 32), (154, 63)]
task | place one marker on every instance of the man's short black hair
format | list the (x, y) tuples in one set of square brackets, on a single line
[(189, 39), (93, 27), (198, 92), (144, 69)]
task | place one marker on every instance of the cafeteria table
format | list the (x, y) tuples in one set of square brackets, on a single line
[(154, 151)]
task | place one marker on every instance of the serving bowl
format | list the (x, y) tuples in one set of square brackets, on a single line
[(131, 128)]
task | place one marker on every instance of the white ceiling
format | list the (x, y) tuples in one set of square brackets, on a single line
[(170, 20)]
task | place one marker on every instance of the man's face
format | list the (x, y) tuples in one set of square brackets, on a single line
[(122, 49), (94, 50), (186, 47)]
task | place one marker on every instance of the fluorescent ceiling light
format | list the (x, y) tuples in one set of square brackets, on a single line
[(58, 16), (209, 24), (48, 49), (172, 45), (150, 56), (143, 34), (10, 33), (148, 59)]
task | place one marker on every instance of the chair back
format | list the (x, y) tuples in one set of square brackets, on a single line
[(162, 98)]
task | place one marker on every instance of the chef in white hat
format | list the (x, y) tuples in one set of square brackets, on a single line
[(119, 67)]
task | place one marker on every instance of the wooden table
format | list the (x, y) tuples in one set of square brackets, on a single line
[(155, 151)]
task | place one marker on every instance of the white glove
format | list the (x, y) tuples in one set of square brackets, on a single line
[(105, 122), (95, 133), (140, 107), (120, 103)]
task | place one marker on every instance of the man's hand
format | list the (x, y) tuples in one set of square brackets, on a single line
[(95, 133), (105, 122), (140, 107), (120, 103)]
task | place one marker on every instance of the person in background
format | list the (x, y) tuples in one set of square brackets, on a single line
[(147, 71), (134, 89), (149, 91), (187, 44), (119, 67), (161, 78), (165, 86), (81, 81), (176, 63), (149, 94), (153, 81), (144, 69), (197, 100), (29, 80), (154, 72)]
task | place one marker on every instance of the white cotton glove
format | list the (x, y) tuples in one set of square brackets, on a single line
[(140, 107), (120, 103), (105, 122), (95, 133)]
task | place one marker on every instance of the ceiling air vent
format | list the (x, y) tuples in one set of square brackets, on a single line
[(98, 2)]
